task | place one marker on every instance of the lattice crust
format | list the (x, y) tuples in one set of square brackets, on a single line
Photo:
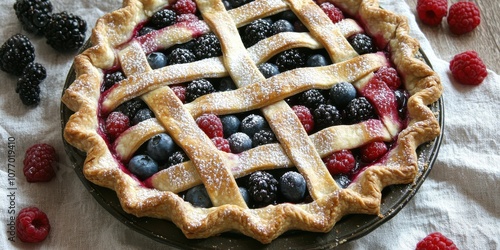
[(113, 43)]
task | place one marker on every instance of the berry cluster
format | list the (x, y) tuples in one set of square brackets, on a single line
[(462, 17)]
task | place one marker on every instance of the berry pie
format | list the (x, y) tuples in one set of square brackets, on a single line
[(257, 117)]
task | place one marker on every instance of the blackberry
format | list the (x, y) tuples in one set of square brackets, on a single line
[(358, 110), (28, 91), (65, 31), (311, 98), (326, 115), (362, 43), (262, 137), (263, 188), (291, 59), (256, 31), (131, 107), (33, 14), (163, 18), (176, 158), (180, 55), (226, 84), (198, 88), (16, 53), (281, 25), (112, 78), (35, 72), (207, 46)]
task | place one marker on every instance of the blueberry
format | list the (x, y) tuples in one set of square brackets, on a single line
[(293, 186), (282, 25), (157, 60), (230, 124), (342, 180), (401, 100), (288, 15), (143, 166), (268, 69), (198, 197), (246, 196), (145, 30), (160, 147), (142, 115), (316, 60), (226, 84), (252, 124), (342, 93), (239, 142)]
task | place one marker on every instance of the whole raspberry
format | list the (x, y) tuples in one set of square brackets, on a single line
[(184, 7), (305, 117), (389, 76), (116, 123), (180, 92), (467, 68), (39, 163), (431, 12), (436, 240), (222, 144), (463, 17), (334, 13), (32, 225), (373, 151), (211, 125), (340, 162)]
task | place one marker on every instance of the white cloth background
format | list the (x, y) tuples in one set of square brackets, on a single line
[(460, 198)]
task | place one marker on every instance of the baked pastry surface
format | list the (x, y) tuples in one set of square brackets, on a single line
[(115, 44)]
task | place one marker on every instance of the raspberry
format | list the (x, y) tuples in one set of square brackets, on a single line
[(467, 68), (65, 31), (32, 225), (211, 125), (334, 13), (116, 123), (436, 240), (389, 76), (373, 151), (431, 12), (221, 144), (180, 92), (184, 7), (463, 17), (187, 18), (305, 117), (340, 162), (39, 163)]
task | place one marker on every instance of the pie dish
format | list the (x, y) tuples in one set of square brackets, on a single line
[(119, 46)]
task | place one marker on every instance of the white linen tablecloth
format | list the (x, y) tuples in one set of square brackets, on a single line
[(460, 197)]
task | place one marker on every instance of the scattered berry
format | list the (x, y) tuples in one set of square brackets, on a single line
[(142, 115), (184, 7), (143, 166), (16, 53), (179, 56), (389, 76), (157, 60), (256, 31), (305, 117), (112, 78), (198, 197), (252, 124), (32, 225), (230, 124), (268, 69), (160, 147), (334, 13), (311, 98), (39, 163), (326, 115), (28, 90), (263, 188), (467, 68), (281, 25), (342, 93), (431, 12), (358, 110), (35, 72), (463, 17), (180, 92), (262, 137), (65, 31), (116, 123), (239, 142), (211, 125), (198, 88), (163, 18), (293, 186), (33, 14), (373, 151), (290, 59), (207, 46), (436, 240), (340, 162), (362, 43), (222, 144)]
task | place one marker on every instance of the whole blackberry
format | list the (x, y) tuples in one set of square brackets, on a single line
[(131, 107), (262, 137), (112, 78), (291, 59), (28, 91), (311, 98), (326, 115), (176, 158), (358, 110), (35, 72), (207, 46), (180, 55), (65, 31), (33, 14), (16, 53), (263, 188), (163, 18), (256, 31), (198, 88), (362, 43)]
